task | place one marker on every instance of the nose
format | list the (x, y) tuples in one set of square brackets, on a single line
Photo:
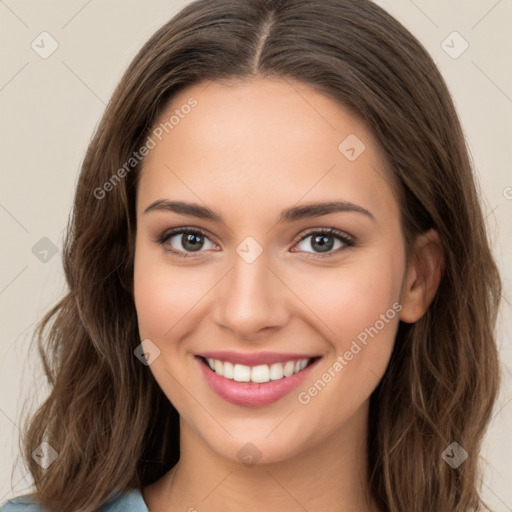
[(251, 300)]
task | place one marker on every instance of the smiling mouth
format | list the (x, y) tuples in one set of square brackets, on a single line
[(259, 374)]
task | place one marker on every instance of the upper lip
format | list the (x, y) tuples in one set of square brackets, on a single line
[(254, 358)]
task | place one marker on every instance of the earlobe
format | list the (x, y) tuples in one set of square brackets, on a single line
[(423, 276)]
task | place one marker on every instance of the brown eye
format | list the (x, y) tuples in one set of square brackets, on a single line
[(323, 241), (183, 242)]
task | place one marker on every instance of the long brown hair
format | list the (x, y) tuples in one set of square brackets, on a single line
[(106, 416)]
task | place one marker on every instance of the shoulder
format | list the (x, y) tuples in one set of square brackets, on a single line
[(21, 504), (129, 501)]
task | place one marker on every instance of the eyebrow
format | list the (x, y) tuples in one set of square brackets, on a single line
[(289, 215)]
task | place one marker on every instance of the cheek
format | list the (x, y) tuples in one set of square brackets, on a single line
[(352, 297), (164, 294), (357, 312), (356, 309)]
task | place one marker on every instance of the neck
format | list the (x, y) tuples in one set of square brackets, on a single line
[(331, 476)]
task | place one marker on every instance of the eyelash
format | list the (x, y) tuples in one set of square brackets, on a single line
[(345, 239)]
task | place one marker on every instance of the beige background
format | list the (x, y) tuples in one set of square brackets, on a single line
[(50, 107)]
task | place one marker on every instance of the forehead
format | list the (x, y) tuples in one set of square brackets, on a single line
[(259, 144)]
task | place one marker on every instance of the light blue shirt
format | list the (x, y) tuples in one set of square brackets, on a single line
[(130, 501)]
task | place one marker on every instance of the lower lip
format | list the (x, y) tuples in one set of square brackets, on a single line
[(252, 394)]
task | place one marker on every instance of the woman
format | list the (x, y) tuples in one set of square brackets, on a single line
[(331, 346)]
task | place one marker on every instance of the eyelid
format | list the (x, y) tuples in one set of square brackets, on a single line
[(347, 241), (330, 231), (345, 238), (166, 235)]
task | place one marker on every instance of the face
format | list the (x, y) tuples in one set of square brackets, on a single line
[(314, 283)]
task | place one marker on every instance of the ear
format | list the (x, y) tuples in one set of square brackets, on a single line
[(424, 271)]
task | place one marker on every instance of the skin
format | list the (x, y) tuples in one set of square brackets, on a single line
[(248, 150)]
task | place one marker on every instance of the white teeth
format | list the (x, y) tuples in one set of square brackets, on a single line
[(229, 370), (289, 368), (219, 367), (258, 374), (276, 371), (241, 373)]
